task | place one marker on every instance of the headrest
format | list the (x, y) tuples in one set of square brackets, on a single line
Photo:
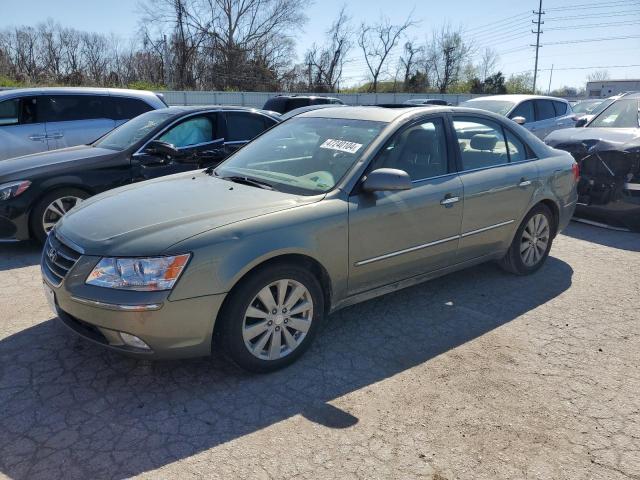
[(419, 141), (483, 141)]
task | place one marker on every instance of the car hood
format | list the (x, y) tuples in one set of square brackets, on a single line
[(147, 218), (622, 137), (28, 165)]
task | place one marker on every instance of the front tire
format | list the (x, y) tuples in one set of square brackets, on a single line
[(50, 209), (271, 317), (531, 243)]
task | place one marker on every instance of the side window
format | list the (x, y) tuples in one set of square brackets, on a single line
[(123, 108), (243, 126), (9, 112), (293, 103), (420, 150), (481, 142), (192, 131), (544, 110), (67, 108), (560, 107), (517, 150), (525, 109)]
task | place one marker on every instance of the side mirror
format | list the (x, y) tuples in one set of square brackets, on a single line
[(519, 120), (581, 122), (158, 147), (386, 180)]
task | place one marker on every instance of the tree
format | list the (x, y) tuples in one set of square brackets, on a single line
[(377, 41), (409, 60), (328, 61), (520, 83), (598, 76), (447, 54), (488, 62)]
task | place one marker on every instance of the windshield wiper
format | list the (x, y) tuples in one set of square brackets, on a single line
[(249, 181)]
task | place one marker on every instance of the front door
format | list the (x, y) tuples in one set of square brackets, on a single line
[(397, 235), (21, 131), (498, 179), (197, 140)]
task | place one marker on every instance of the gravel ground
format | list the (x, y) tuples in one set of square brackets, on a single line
[(478, 375)]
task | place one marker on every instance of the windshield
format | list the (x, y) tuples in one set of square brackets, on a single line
[(501, 107), (132, 131), (586, 106), (620, 114), (604, 104), (303, 155)]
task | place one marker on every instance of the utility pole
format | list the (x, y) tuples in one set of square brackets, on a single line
[(550, 77), (537, 45), (309, 89)]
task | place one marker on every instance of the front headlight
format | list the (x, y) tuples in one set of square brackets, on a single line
[(13, 189), (142, 274)]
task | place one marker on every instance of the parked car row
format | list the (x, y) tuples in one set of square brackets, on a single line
[(327, 208)]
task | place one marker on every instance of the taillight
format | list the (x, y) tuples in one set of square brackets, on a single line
[(575, 168)]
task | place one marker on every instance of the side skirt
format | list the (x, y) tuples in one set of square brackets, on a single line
[(411, 281)]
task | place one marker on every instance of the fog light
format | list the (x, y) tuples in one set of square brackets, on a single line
[(133, 341)]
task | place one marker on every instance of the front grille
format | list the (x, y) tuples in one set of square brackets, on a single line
[(57, 259)]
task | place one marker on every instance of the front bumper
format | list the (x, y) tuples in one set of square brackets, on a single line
[(171, 329), (14, 223)]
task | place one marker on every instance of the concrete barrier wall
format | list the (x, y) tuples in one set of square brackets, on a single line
[(257, 99)]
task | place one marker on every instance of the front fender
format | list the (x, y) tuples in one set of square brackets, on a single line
[(223, 256)]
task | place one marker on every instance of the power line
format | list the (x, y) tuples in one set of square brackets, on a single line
[(597, 15), (595, 25), (486, 25), (590, 5), (589, 40)]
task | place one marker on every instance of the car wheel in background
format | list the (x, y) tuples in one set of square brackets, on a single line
[(532, 242), (271, 317), (51, 208)]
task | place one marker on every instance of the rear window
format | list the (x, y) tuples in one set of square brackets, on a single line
[(123, 108), (544, 110), (243, 126), (297, 103), (560, 107)]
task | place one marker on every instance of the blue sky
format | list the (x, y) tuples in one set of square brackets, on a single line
[(503, 25)]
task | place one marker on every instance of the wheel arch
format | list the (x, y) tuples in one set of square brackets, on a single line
[(50, 189), (314, 266)]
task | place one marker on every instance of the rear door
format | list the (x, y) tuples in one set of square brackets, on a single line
[(498, 179), (564, 115), (241, 127), (74, 119), (396, 235), (21, 130)]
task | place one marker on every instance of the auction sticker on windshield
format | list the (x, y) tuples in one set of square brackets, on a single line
[(341, 145)]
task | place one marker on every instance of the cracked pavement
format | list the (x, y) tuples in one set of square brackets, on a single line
[(479, 375)]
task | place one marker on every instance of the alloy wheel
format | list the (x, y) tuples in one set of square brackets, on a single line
[(56, 209), (277, 319), (535, 238)]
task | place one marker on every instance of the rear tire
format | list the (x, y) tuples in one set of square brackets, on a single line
[(50, 209), (271, 317), (532, 242)]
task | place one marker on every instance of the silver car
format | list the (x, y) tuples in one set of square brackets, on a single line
[(327, 209), (34, 120), (539, 114)]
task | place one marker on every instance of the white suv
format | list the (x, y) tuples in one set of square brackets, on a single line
[(38, 119), (539, 114)]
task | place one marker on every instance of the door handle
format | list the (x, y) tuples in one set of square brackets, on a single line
[(449, 200), (524, 182), (55, 135), (37, 138)]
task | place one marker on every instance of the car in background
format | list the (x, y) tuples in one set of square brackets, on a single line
[(33, 120), (604, 103), (539, 114), (298, 111), (585, 107), (608, 152), (286, 103), (426, 101), (330, 208), (37, 190)]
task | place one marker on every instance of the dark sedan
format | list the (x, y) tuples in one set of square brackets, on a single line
[(36, 190)]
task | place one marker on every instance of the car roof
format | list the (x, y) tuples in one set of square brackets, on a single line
[(77, 90), (516, 97), (207, 108)]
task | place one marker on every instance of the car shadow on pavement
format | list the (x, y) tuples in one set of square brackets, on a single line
[(19, 254), (70, 409), (603, 236)]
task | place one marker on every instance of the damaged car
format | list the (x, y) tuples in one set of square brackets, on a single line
[(608, 152)]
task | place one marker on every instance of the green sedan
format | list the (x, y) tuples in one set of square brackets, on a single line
[(327, 209)]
